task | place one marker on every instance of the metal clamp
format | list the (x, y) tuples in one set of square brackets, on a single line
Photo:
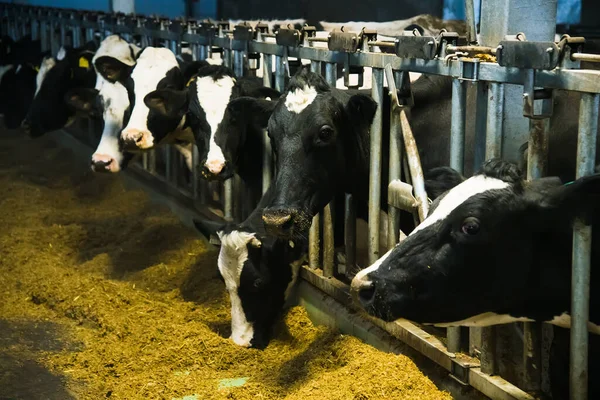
[(524, 54), (343, 41), (531, 94), (469, 69), (421, 47)]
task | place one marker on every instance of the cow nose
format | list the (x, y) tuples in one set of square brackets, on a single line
[(214, 166), (362, 289), (136, 139), (26, 126), (104, 163), (278, 220)]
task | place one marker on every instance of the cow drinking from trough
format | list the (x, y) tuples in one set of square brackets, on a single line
[(259, 271), (494, 249)]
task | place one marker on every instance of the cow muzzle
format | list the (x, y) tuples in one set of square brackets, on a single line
[(104, 163), (212, 171), (136, 139), (279, 221)]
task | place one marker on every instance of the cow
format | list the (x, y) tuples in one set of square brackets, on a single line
[(494, 249), (321, 136), (259, 271), (71, 68), (227, 116), (18, 70)]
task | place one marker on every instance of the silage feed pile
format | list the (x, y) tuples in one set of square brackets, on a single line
[(107, 295)]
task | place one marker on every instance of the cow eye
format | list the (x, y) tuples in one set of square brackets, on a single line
[(470, 226), (325, 133)]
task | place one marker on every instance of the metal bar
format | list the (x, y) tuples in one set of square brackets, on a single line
[(457, 126), (315, 66), (395, 166), (414, 165), (238, 63), (228, 199), (585, 57), (495, 121), (195, 172), (328, 217), (537, 156), (280, 73), (470, 17), (481, 91), (349, 235), (375, 167), (267, 169), (582, 248), (314, 235), (267, 70)]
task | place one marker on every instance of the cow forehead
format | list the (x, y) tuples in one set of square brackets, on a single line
[(298, 99), (458, 195), (153, 65), (116, 47)]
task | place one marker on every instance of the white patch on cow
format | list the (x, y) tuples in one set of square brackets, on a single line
[(360, 280), (152, 66), (215, 61), (62, 53), (232, 256), (458, 195), (186, 151), (47, 64), (564, 321), (485, 319), (115, 102), (4, 69), (213, 97), (114, 46), (299, 99)]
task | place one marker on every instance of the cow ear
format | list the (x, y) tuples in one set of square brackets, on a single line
[(361, 109), (82, 99), (580, 198), (441, 179), (258, 109), (112, 69), (167, 102)]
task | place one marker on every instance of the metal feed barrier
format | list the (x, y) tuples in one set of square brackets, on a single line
[(536, 67)]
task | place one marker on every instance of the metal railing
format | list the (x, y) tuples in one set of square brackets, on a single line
[(537, 66)]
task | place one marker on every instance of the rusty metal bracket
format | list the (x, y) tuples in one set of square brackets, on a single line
[(469, 69), (308, 31), (531, 94), (343, 41), (524, 54), (422, 47)]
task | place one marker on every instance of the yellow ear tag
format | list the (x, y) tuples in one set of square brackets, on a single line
[(190, 81), (37, 68), (84, 63)]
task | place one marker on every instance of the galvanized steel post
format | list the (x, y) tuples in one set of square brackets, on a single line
[(314, 235), (328, 216), (395, 166), (495, 119), (267, 70), (457, 126), (280, 73), (375, 167), (582, 250)]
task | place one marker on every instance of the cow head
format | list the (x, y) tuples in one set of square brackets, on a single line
[(221, 111), (71, 68), (156, 68), (321, 143), (493, 249), (259, 273), (108, 101)]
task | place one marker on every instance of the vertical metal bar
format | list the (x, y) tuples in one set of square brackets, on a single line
[(349, 235), (470, 17), (227, 57), (582, 249), (328, 239), (495, 121), (280, 73), (537, 149), (35, 32), (395, 173), (267, 69), (375, 167), (238, 63), (152, 161), (457, 126), (195, 173), (314, 242), (267, 169), (228, 199), (315, 66)]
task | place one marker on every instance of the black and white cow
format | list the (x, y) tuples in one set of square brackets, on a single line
[(71, 68), (227, 116), (494, 249), (259, 271), (108, 101), (18, 69), (321, 140)]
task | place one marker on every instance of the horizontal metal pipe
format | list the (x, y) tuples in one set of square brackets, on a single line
[(585, 57)]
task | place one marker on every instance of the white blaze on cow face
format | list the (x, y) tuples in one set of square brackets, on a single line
[(453, 199), (152, 66), (213, 97), (47, 64), (114, 46), (299, 99), (62, 53), (233, 255), (115, 102)]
